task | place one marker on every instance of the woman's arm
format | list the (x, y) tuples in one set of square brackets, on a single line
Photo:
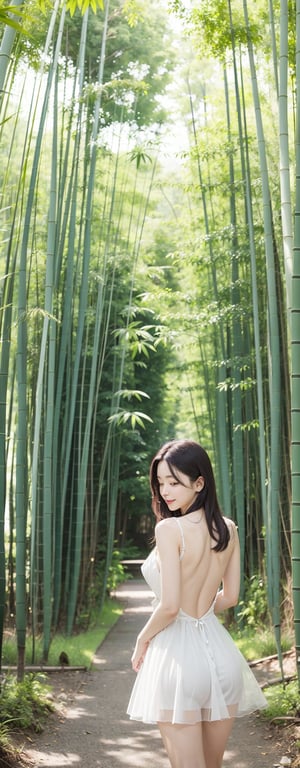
[(168, 546), (228, 596)]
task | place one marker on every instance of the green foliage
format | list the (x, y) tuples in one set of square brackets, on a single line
[(253, 610), (133, 11), (283, 701), (138, 62), (7, 17), (182, 276), (83, 5), (8, 753), (135, 418), (25, 704), (25, 17), (130, 551), (80, 646), (215, 28), (258, 643), (116, 573), (138, 155)]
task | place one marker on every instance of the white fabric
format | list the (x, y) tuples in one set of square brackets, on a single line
[(192, 670)]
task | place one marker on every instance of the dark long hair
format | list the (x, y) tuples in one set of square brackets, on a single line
[(191, 459)]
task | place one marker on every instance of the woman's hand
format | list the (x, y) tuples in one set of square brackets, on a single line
[(138, 655)]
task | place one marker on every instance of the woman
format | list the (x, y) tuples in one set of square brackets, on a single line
[(192, 680)]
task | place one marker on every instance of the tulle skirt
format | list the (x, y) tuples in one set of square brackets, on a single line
[(193, 671)]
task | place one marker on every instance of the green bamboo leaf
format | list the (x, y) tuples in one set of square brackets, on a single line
[(135, 417), (7, 20), (133, 11), (84, 5), (131, 393), (71, 6), (138, 155)]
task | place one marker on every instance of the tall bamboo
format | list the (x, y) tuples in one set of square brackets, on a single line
[(274, 360), (255, 312), (81, 320), (67, 270), (295, 318), (6, 377), (284, 157), (21, 465), (22, 468), (274, 45), (49, 332), (221, 398), (236, 354), (245, 170)]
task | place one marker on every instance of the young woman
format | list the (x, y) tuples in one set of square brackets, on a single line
[(192, 680)]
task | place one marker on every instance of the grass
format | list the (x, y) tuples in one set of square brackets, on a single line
[(9, 755), (26, 705), (284, 710), (283, 701), (80, 647), (256, 644)]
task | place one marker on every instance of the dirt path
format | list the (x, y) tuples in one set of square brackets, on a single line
[(92, 728)]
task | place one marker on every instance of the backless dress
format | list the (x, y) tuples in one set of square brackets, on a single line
[(192, 669)]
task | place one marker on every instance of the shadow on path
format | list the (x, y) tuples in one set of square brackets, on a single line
[(95, 730)]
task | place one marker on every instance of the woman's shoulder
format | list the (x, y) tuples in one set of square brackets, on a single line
[(166, 523), (232, 527), (163, 527)]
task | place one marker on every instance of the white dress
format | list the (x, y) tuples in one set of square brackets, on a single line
[(192, 669)]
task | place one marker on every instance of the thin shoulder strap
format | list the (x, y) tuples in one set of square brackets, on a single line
[(182, 550)]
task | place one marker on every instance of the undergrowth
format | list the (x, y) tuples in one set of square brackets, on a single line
[(26, 704), (259, 643), (79, 647), (283, 701)]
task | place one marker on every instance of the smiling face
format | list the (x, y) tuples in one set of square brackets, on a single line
[(178, 490)]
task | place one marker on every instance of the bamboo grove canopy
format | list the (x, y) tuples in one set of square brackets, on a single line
[(145, 295)]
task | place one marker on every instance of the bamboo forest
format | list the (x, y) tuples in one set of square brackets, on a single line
[(150, 268)]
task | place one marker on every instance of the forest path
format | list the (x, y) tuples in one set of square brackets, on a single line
[(92, 728)]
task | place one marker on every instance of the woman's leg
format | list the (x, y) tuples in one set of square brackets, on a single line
[(184, 745), (215, 737)]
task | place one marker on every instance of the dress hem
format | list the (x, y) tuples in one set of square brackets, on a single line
[(199, 720)]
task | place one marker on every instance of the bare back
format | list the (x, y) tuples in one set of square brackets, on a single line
[(202, 568)]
